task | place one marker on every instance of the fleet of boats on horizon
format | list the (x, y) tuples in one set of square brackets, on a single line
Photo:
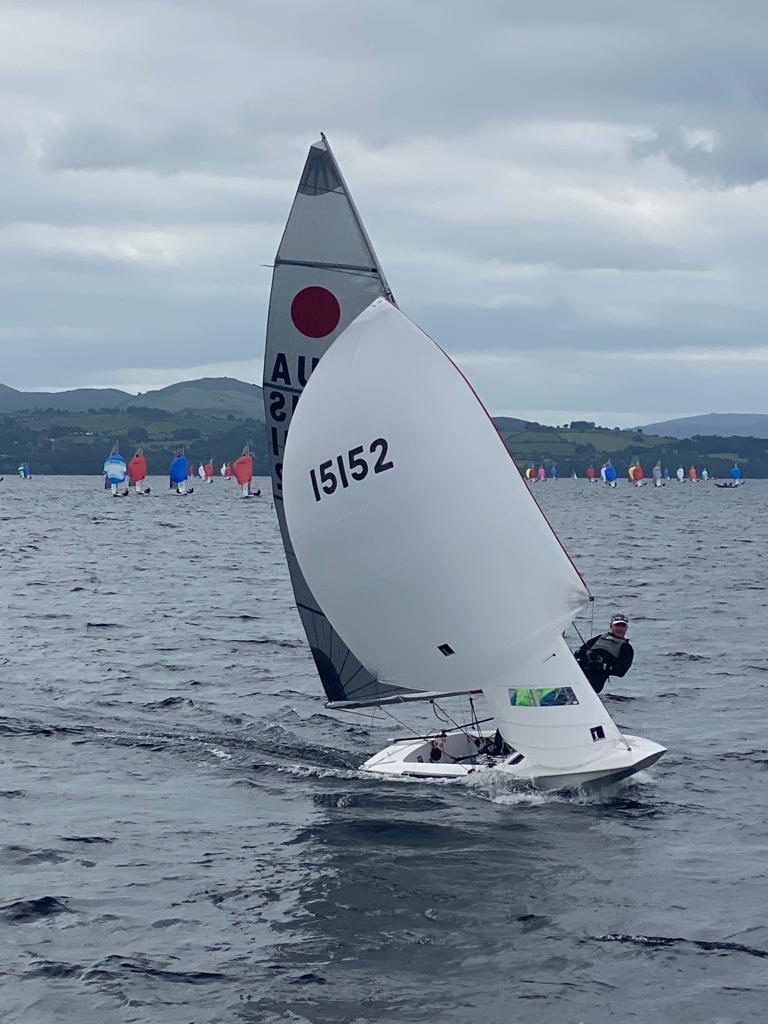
[(180, 472), (116, 471), (608, 474)]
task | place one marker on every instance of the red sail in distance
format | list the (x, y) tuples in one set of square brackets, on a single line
[(137, 468), (243, 469)]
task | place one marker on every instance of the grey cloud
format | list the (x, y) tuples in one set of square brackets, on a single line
[(736, 155), (169, 150), (555, 331)]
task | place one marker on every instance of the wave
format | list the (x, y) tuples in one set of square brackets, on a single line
[(677, 940), (53, 969), (169, 702), (21, 855), (85, 839), (25, 911), (114, 968), (19, 727)]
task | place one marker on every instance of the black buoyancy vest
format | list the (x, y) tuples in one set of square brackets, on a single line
[(610, 644)]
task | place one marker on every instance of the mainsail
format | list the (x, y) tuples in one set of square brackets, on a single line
[(326, 272), (436, 586)]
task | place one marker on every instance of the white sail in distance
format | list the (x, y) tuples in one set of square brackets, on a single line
[(436, 586)]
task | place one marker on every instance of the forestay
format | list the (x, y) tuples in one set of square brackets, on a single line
[(325, 273)]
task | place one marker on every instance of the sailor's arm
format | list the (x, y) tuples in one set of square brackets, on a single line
[(585, 647)]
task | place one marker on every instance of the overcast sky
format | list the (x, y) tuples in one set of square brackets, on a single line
[(572, 198)]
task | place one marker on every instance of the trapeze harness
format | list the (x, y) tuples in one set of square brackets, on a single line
[(597, 666)]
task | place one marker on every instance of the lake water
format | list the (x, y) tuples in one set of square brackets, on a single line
[(185, 837)]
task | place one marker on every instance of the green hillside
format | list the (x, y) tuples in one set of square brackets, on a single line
[(575, 447), (210, 396), (78, 442)]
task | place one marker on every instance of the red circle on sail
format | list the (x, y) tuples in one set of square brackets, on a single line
[(315, 312)]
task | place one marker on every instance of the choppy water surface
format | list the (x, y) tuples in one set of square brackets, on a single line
[(185, 837)]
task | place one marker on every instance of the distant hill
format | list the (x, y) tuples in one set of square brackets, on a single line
[(508, 424), (208, 396), (78, 442), (78, 400), (721, 424)]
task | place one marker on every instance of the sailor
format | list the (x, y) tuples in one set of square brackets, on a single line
[(438, 751), (607, 654)]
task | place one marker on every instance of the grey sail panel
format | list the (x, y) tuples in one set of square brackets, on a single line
[(325, 274)]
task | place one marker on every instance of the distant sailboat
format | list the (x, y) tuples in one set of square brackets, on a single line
[(243, 472), (693, 476), (179, 474), (137, 472), (201, 471), (209, 471), (735, 480), (24, 472), (387, 555), (591, 473), (657, 481), (115, 472), (610, 473), (680, 473)]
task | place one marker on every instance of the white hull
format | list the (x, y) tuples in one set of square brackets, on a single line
[(459, 759)]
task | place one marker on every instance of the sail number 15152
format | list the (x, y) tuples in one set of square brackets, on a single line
[(355, 465)]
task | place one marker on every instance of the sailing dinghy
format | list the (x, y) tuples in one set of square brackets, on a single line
[(115, 471), (409, 588), (242, 468), (137, 472)]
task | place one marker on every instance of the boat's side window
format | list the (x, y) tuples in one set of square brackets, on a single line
[(545, 697)]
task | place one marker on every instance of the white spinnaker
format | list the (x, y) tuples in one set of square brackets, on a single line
[(410, 559)]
